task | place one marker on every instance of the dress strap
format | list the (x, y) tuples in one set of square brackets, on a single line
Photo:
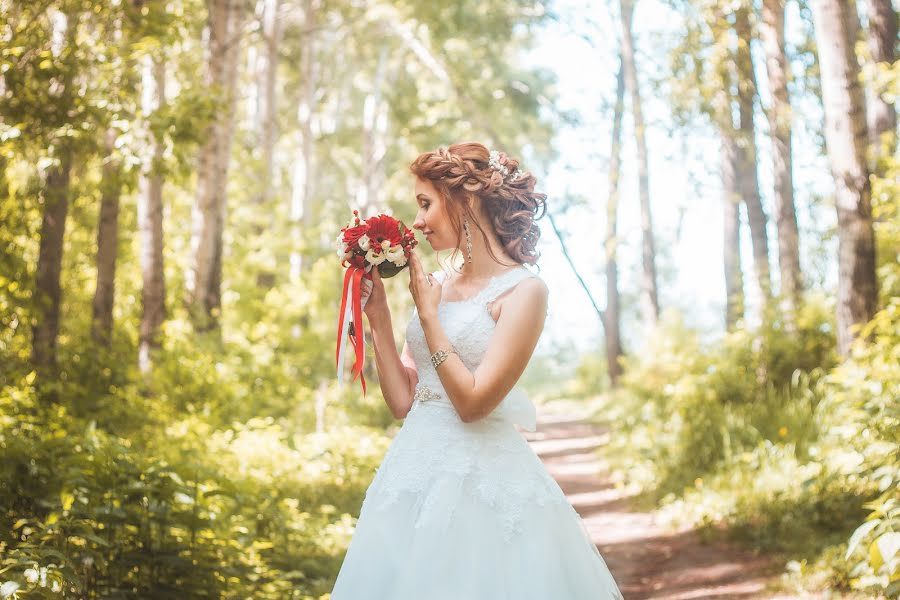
[(504, 282)]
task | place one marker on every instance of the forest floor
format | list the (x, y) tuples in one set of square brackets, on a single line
[(647, 559)]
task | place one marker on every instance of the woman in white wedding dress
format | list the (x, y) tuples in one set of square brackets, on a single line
[(461, 508)]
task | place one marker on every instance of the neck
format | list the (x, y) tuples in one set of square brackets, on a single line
[(483, 265)]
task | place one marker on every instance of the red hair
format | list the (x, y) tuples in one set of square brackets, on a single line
[(462, 170)]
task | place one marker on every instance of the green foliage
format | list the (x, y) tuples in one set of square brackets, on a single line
[(235, 468), (170, 505), (765, 433)]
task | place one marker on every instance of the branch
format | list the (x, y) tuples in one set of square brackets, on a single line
[(584, 286)]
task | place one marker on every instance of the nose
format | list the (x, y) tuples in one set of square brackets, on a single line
[(419, 223)]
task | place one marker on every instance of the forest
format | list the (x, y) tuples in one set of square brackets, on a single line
[(172, 177)]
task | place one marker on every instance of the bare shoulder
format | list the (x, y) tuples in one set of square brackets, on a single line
[(528, 299)]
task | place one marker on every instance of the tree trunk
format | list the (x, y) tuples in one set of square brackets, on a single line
[(748, 179), (374, 144), (611, 314), (731, 222), (150, 221), (49, 266), (883, 47), (266, 122), (48, 290), (649, 293), (107, 243), (301, 196), (772, 34), (204, 279), (836, 24)]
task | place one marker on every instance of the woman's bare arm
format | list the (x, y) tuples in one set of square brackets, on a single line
[(397, 375), (512, 343)]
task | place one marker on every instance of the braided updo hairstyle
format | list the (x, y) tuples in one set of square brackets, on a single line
[(462, 170)]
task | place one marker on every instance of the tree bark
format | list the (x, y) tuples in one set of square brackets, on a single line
[(203, 281), (731, 222), (748, 179), (107, 243), (649, 293), (266, 121), (883, 47), (48, 289), (611, 317), (374, 146), (772, 35), (836, 24), (48, 292), (150, 221), (301, 196)]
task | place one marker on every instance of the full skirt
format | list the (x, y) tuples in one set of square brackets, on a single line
[(467, 511)]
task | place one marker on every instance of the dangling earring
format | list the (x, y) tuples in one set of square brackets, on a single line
[(468, 239)]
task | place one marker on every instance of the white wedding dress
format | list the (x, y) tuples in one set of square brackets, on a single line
[(467, 511)]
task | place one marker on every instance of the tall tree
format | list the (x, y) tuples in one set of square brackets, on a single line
[(748, 178), (883, 48), (302, 183), (836, 24), (204, 279), (55, 196), (374, 142), (107, 241), (150, 213), (611, 318), (779, 113), (649, 293), (266, 122), (731, 231)]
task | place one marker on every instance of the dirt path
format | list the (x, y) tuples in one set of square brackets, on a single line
[(647, 559)]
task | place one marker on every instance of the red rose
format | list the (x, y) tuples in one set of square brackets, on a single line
[(352, 235)]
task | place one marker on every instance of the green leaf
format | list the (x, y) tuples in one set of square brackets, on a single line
[(875, 558), (888, 545), (859, 534)]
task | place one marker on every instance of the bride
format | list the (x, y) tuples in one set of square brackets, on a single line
[(461, 508)]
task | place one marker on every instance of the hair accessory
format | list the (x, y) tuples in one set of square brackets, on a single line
[(496, 163)]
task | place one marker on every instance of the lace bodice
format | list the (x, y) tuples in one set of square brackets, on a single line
[(435, 451), (469, 326)]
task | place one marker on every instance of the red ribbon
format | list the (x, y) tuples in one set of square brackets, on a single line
[(352, 285)]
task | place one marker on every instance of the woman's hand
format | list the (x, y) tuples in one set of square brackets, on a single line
[(425, 289), (376, 306)]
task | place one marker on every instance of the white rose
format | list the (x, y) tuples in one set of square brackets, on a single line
[(395, 254), (375, 259), (400, 261), (31, 575), (364, 242)]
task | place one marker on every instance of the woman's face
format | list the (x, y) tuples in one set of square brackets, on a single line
[(432, 218)]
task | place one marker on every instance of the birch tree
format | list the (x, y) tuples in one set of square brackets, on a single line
[(836, 25)]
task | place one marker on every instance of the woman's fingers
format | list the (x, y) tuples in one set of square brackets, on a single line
[(413, 264)]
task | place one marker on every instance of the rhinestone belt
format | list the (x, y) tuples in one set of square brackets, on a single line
[(426, 394)]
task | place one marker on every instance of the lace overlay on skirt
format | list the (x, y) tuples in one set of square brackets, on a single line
[(467, 511)]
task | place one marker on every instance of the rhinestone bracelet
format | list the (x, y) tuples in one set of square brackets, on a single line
[(441, 355)]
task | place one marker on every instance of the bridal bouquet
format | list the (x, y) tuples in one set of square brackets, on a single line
[(380, 242)]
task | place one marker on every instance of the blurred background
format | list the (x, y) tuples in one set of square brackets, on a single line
[(721, 245)]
